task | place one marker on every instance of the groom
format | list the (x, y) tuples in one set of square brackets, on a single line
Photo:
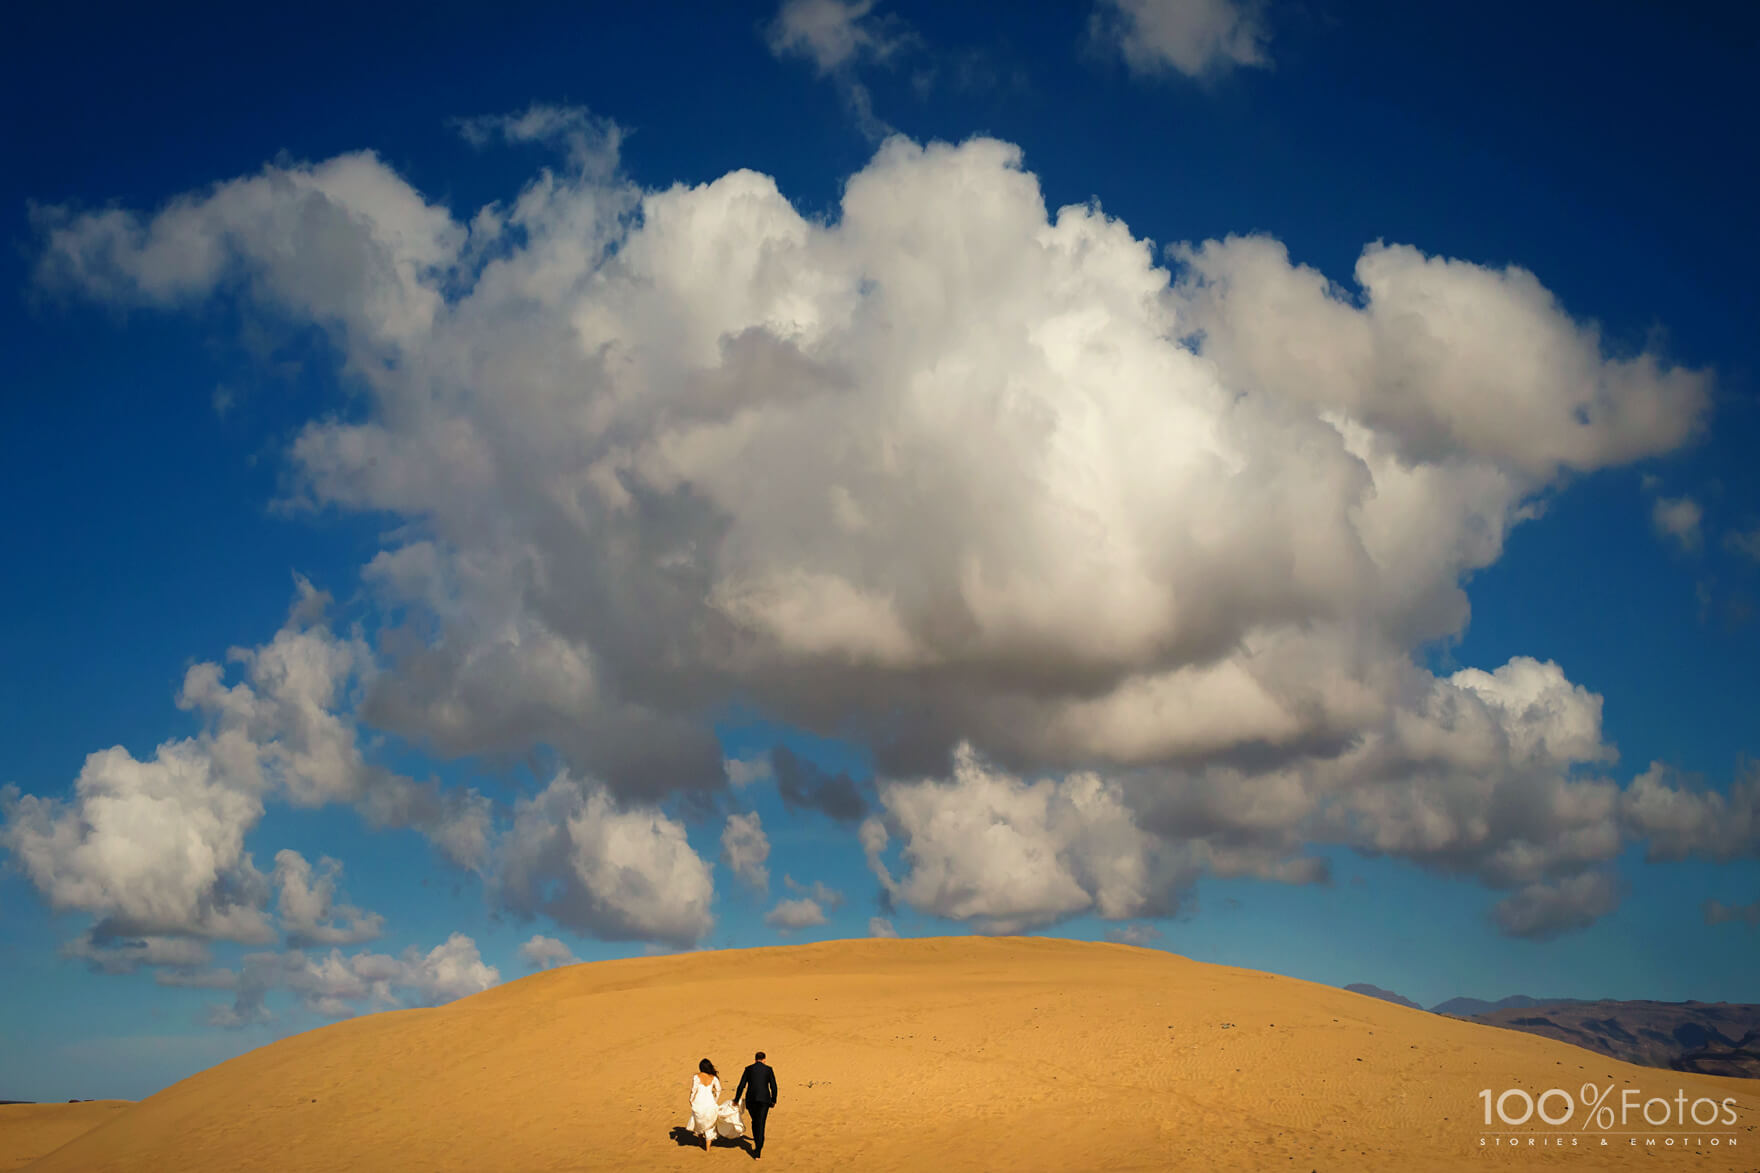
[(758, 1086)]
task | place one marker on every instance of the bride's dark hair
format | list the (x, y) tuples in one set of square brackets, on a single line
[(708, 1068)]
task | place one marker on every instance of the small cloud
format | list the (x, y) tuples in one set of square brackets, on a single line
[(742, 772), (1198, 38), (107, 952), (879, 926), (832, 34), (307, 904), (1544, 909), (795, 914), (1745, 543), (745, 847), (1719, 913), (543, 952), (591, 143), (198, 979), (1678, 518), (817, 891), (1138, 934), (837, 36)]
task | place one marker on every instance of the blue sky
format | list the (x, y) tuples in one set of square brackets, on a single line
[(1090, 588)]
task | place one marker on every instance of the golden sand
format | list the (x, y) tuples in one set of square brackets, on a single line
[(28, 1131), (941, 1055)]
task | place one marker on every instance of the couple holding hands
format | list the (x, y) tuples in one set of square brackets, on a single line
[(711, 1118)]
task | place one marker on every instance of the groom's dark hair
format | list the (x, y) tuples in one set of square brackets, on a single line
[(760, 1056)]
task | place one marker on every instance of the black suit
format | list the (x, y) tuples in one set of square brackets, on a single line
[(758, 1085)]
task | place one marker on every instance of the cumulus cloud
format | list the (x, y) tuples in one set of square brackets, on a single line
[(745, 847), (1680, 819), (577, 855), (789, 915), (1474, 777), (368, 247), (1679, 519), (1445, 360), (543, 952), (157, 847), (446, 972), (1008, 855), (153, 848), (1199, 38), (307, 908), (1118, 570), (879, 926), (290, 723), (1544, 910), (338, 985)]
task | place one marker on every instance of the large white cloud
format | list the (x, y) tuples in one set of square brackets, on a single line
[(596, 865), (1009, 855), (155, 849), (1442, 358), (1159, 545), (1475, 775)]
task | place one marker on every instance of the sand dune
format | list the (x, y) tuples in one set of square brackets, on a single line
[(28, 1131), (947, 1054)]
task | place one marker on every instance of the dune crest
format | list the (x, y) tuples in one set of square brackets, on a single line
[(29, 1131), (947, 1053)]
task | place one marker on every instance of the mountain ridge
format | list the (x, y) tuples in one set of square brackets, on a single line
[(1711, 1038)]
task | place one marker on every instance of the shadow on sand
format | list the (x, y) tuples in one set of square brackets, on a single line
[(684, 1138)]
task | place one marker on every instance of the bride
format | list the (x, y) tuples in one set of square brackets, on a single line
[(709, 1116)]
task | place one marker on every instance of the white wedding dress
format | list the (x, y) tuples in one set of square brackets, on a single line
[(709, 1114)]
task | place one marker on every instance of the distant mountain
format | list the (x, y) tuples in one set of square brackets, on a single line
[(1473, 1007), (1384, 995), (1707, 1038), (1710, 1038)]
